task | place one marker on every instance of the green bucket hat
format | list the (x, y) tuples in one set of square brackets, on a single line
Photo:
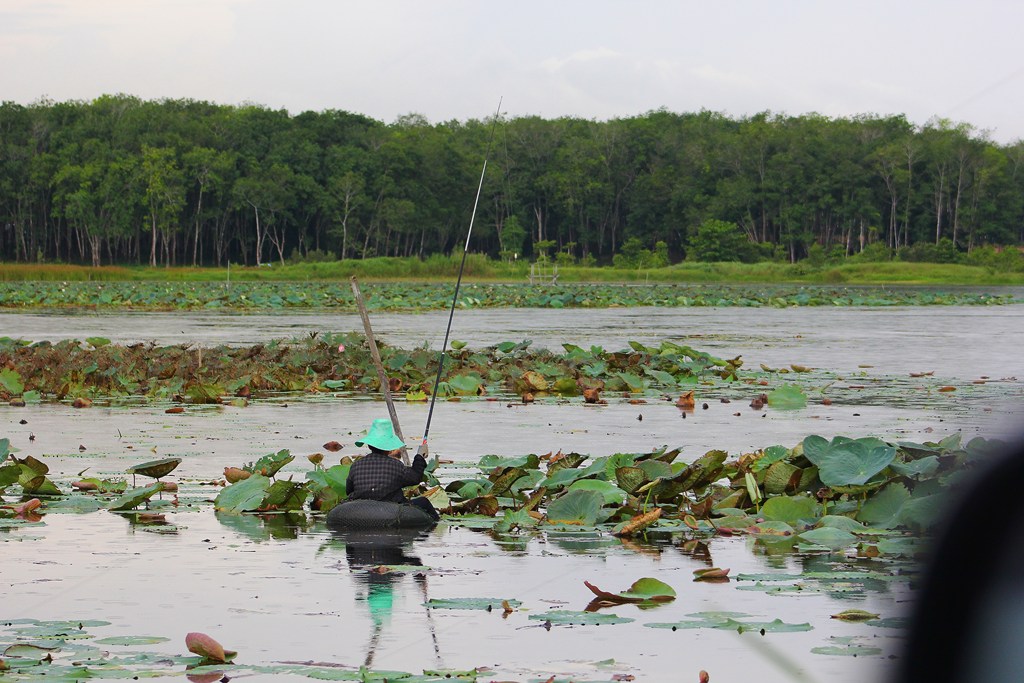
[(381, 436)]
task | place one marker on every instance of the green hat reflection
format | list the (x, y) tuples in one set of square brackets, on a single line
[(381, 436)]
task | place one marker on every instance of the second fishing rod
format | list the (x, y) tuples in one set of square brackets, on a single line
[(458, 281)]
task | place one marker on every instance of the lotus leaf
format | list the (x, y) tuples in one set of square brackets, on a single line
[(133, 498), (846, 462), (923, 512), (830, 537), (566, 460), (580, 618), (917, 469), (787, 397), (243, 496), (628, 478), (730, 624), (613, 495), (564, 476), (491, 462), (466, 385), (643, 590), (270, 464), (155, 468), (791, 509), (9, 474), (576, 507), (883, 508), (11, 381), (514, 519), (471, 603), (283, 495), (771, 455)]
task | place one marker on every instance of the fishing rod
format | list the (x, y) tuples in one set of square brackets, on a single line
[(458, 281)]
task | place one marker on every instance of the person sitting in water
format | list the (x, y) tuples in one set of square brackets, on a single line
[(380, 475)]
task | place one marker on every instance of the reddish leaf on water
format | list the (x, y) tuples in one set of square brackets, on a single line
[(333, 446), (26, 510), (210, 677), (233, 474), (591, 395), (208, 648), (81, 403), (947, 388), (711, 573), (175, 410), (686, 401), (704, 677)]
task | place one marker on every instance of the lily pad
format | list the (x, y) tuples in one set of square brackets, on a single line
[(576, 507), (580, 618), (845, 462), (243, 496), (155, 468), (471, 603)]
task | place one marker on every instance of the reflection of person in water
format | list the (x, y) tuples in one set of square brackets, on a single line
[(367, 550)]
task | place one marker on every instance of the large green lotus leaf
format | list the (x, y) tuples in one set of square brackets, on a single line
[(466, 385), (576, 507), (567, 460), (921, 513), (37, 484), (613, 495), (131, 640), (11, 381), (655, 469), (155, 468), (491, 462), (580, 618), (243, 496), (9, 474), (471, 603), (917, 469), (502, 483), (563, 477), (270, 464), (846, 462), (628, 478), (617, 460), (472, 488), (845, 523), (772, 454), (333, 478), (787, 397), (791, 509), (513, 519), (284, 495), (649, 589), (830, 537), (133, 498), (883, 508), (781, 477)]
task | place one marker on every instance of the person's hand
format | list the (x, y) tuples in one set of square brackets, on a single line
[(423, 450)]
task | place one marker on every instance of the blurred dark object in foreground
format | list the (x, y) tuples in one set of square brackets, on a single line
[(968, 624)]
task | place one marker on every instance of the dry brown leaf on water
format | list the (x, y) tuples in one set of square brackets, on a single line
[(947, 388), (205, 646), (233, 474), (637, 401), (84, 485), (506, 608), (640, 523), (333, 446), (175, 410), (686, 401), (211, 677), (711, 574), (922, 374), (703, 677), (26, 510), (81, 402), (591, 395)]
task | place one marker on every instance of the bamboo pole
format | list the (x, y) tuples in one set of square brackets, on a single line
[(385, 387)]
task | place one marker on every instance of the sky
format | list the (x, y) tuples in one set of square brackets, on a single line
[(594, 59)]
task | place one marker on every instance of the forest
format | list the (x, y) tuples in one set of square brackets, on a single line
[(121, 180)]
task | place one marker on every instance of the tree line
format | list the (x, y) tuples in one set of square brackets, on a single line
[(183, 182)]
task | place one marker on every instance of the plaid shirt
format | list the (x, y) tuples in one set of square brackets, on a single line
[(378, 476)]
